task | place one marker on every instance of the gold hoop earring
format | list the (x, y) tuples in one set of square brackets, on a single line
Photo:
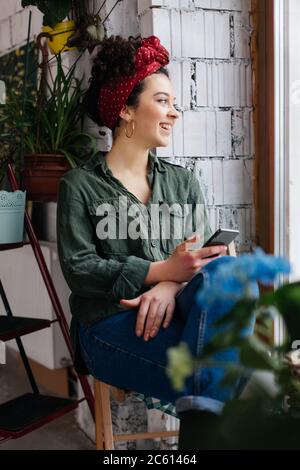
[(129, 136)]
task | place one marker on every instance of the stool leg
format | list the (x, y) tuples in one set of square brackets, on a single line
[(98, 417), (103, 421)]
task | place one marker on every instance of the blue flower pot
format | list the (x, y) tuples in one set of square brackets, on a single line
[(12, 208)]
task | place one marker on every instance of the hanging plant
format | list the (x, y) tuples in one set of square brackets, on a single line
[(83, 30), (57, 30), (54, 11)]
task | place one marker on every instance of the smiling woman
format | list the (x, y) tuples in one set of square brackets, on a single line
[(126, 312)]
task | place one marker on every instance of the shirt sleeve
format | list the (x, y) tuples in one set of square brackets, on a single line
[(86, 273), (196, 197)]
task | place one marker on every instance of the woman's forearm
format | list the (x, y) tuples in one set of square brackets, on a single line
[(158, 272)]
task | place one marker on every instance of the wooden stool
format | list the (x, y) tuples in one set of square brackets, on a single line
[(105, 437)]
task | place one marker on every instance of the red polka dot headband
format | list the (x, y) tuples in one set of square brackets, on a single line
[(149, 57)]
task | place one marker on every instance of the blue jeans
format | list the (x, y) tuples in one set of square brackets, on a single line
[(115, 355)]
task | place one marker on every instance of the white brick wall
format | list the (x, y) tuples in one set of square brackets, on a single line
[(9, 8), (242, 217), (224, 4), (239, 5), (225, 182), (223, 84), (195, 33), (211, 72), (5, 35), (207, 133), (14, 24)]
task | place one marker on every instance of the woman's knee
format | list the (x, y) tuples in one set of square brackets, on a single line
[(220, 260), (209, 269)]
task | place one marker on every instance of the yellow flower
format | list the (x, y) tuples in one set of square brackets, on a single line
[(180, 365)]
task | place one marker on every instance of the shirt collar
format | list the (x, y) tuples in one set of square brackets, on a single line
[(99, 160)]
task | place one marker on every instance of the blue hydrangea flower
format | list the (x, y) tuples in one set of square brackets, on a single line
[(236, 278)]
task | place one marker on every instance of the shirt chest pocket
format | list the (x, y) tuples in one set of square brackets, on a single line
[(111, 228), (172, 228)]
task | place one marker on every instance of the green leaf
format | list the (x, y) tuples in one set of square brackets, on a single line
[(231, 376), (180, 365), (54, 11), (221, 341), (268, 298), (255, 354), (241, 312), (26, 3), (287, 300)]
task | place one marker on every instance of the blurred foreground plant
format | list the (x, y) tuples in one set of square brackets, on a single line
[(233, 281)]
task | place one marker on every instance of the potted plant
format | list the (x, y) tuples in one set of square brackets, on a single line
[(268, 418), (82, 29), (57, 30), (12, 209), (49, 128), (12, 203)]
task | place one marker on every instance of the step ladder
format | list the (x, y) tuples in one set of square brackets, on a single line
[(32, 410)]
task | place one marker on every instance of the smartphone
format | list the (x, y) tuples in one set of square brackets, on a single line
[(223, 236)]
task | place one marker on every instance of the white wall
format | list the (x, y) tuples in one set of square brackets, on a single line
[(294, 140), (28, 297), (14, 24)]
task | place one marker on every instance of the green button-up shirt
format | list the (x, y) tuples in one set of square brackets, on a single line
[(98, 271)]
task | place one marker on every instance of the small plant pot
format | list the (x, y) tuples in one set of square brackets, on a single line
[(59, 35), (198, 423), (12, 209), (41, 175), (254, 428)]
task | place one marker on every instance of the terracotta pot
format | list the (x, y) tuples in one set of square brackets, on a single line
[(41, 175)]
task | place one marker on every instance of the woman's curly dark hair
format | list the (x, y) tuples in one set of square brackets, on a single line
[(115, 59)]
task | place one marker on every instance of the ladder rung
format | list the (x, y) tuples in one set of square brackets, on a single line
[(13, 327), (30, 411)]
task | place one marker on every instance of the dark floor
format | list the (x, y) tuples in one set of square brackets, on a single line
[(61, 434)]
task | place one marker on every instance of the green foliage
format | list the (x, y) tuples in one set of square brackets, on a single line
[(12, 125), (268, 417), (59, 118), (52, 121), (265, 420), (54, 11), (256, 424), (287, 300), (256, 355), (12, 72)]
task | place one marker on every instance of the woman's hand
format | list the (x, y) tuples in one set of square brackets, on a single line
[(183, 264), (156, 308)]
